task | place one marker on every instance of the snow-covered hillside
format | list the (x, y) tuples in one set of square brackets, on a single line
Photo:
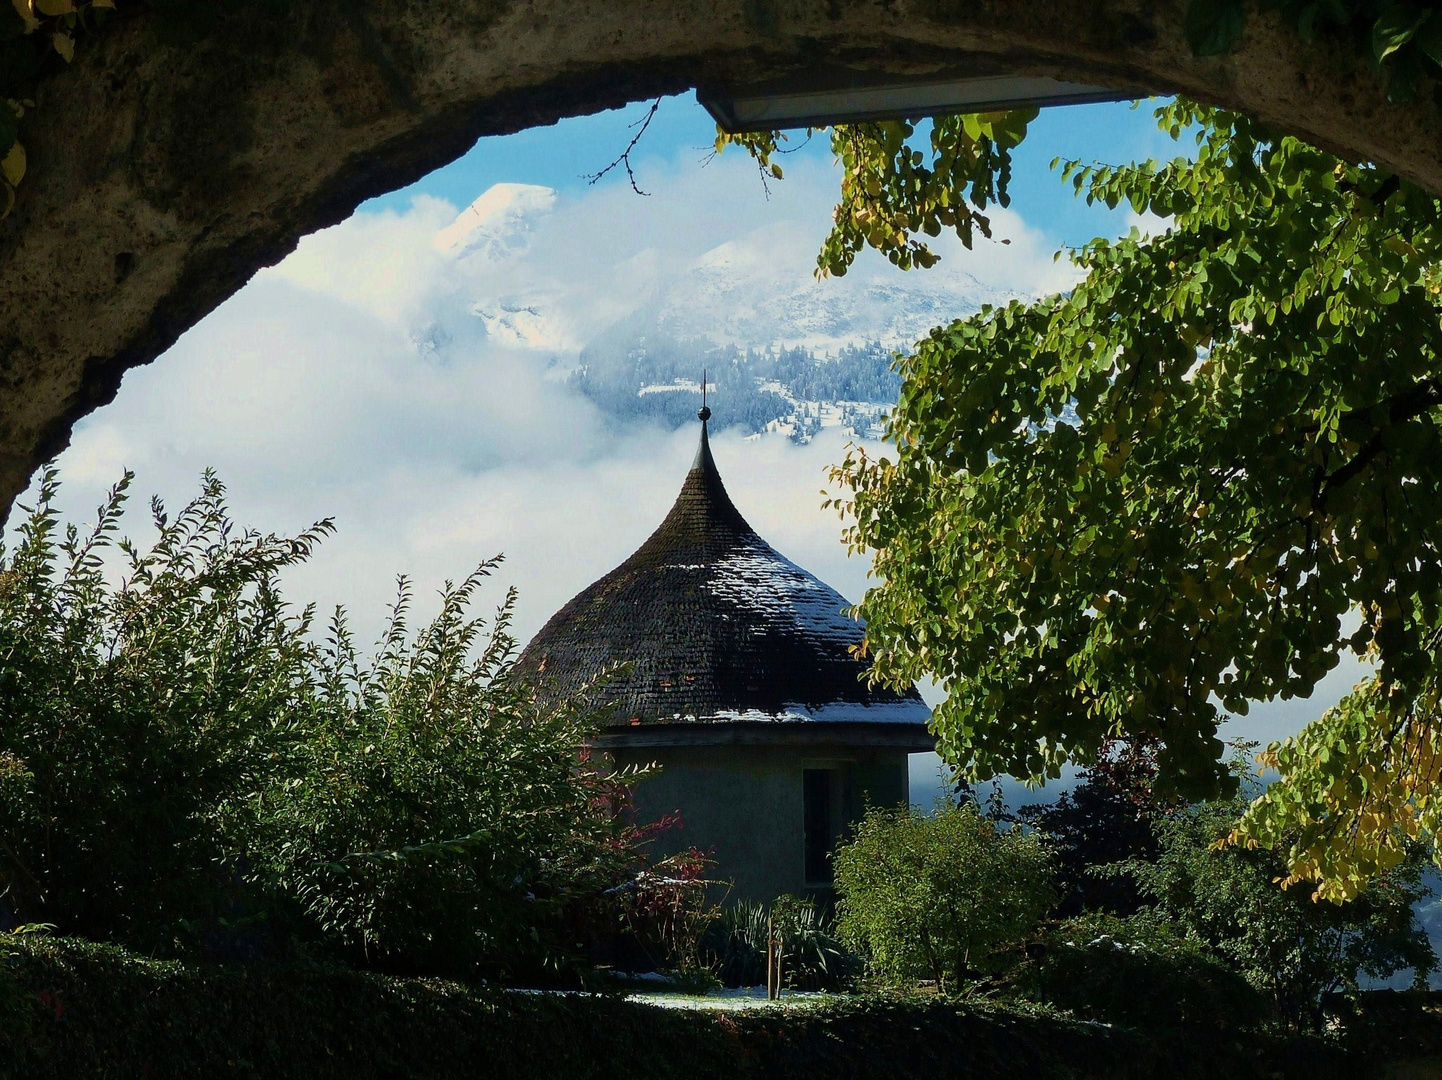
[(784, 351)]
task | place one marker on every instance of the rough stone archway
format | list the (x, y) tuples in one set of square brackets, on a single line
[(163, 173)]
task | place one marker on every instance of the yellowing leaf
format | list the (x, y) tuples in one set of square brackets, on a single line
[(26, 11), (12, 166), (54, 7), (65, 46), (1400, 246)]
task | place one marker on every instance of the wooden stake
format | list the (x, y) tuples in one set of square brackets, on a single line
[(780, 956), (770, 960)]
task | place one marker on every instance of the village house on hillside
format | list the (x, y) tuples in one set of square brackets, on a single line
[(742, 687)]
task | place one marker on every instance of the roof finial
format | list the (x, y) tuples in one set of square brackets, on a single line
[(703, 414)]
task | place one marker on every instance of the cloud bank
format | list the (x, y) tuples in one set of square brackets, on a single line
[(400, 372)]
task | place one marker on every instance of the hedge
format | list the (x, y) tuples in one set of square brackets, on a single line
[(75, 1009)]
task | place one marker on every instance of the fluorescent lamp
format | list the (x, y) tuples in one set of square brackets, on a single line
[(765, 108)]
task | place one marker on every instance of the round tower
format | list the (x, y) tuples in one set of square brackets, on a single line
[(742, 685)]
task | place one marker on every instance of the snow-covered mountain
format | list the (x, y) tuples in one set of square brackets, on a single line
[(761, 290), (632, 330), (498, 224)]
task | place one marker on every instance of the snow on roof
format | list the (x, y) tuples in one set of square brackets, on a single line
[(717, 627)]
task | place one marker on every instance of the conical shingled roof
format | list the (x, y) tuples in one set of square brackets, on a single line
[(719, 628)]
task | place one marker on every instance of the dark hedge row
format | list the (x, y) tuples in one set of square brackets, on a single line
[(71, 1009)]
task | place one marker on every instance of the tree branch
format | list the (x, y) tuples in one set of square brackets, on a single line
[(625, 158), (1409, 404)]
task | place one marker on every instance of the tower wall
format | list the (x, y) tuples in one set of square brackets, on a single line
[(748, 805)]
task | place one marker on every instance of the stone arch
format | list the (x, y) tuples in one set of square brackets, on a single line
[(164, 172)]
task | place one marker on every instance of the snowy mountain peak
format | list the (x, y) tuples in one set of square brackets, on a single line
[(498, 224)]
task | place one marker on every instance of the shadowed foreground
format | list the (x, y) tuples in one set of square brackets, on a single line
[(73, 1009)]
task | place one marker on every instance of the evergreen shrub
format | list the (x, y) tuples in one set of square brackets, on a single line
[(1140, 971), (100, 1012)]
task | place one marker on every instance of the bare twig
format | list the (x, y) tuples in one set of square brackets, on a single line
[(766, 175), (625, 158)]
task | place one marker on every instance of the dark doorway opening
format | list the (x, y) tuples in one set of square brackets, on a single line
[(819, 790)]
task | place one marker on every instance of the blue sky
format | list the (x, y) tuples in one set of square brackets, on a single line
[(562, 155)]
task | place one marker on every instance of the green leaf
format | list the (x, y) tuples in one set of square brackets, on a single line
[(9, 128), (1394, 28), (1428, 38), (1214, 27)]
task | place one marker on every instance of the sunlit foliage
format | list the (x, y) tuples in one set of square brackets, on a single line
[(186, 764), (1190, 484), (937, 896), (1361, 791), (894, 194)]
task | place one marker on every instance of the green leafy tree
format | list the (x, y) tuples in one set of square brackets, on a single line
[(1108, 817), (1165, 494), (1290, 947), (937, 896)]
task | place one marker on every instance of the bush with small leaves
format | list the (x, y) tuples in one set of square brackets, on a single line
[(1142, 971), (937, 896), (1290, 945), (184, 763)]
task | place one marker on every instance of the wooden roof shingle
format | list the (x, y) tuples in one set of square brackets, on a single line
[(718, 627)]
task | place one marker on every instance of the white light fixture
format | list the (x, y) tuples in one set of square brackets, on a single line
[(772, 107)]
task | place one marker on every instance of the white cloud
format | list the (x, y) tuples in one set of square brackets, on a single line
[(383, 264), (356, 380), (1146, 223), (393, 373)]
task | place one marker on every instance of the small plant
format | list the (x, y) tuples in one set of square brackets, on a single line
[(936, 897), (667, 910), (812, 957)]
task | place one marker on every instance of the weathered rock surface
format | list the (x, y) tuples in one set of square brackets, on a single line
[(163, 172)]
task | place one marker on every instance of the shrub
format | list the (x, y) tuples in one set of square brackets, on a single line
[(101, 1012), (936, 896), (182, 762), (1139, 971), (665, 911), (130, 716), (1107, 818), (435, 818), (1291, 948)]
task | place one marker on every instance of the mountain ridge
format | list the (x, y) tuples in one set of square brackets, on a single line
[(784, 351)]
